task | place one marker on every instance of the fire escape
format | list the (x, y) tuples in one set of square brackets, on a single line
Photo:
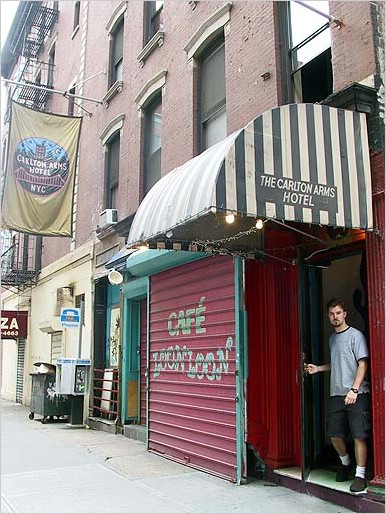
[(27, 44), (21, 256), (21, 253)]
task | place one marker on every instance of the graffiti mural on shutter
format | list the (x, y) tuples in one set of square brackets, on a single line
[(192, 410)]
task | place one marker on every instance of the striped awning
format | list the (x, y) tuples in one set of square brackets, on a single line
[(300, 162)]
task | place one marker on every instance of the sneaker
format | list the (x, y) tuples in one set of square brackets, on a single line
[(343, 473), (359, 485)]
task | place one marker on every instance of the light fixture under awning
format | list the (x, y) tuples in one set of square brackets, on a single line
[(300, 162)]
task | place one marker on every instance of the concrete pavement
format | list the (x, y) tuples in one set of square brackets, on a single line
[(56, 468)]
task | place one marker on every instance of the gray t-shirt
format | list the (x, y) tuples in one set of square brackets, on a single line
[(346, 349)]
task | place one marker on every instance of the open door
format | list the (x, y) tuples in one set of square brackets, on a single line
[(305, 310), (320, 282)]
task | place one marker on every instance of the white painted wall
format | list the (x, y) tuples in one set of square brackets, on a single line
[(8, 371), (13, 302), (75, 269)]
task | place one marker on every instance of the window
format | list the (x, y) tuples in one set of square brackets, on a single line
[(152, 142), (71, 102), (79, 301), (153, 19), (51, 66), (56, 346), (212, 97), (112, 173), (79, 298), (310, 51), (116, 54), (76, 15)]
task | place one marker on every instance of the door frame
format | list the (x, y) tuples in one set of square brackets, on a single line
[(311, 322), (133, 291), (241, 332), (307, 446)]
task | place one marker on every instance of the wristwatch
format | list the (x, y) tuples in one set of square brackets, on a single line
[(354, 390)]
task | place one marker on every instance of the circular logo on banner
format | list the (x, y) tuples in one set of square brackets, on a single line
[(41, 166)]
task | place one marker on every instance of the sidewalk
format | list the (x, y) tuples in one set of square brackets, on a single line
[(56, 468)]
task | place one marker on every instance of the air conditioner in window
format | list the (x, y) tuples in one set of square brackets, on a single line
[(107, 218)]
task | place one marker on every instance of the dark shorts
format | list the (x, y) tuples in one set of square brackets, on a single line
[(354, 419)]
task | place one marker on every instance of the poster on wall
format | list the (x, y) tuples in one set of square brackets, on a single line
[(114, 336)]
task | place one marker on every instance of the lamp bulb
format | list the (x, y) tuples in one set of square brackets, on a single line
[(259, 224)]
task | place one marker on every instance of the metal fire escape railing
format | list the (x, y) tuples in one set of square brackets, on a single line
[(105, 393), (35, 73), (20, 259), (36, 26), (28, 43)]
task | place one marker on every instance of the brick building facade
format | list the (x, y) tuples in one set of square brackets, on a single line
[(133, 66)]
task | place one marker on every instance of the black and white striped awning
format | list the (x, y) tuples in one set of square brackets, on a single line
[(300, 162)]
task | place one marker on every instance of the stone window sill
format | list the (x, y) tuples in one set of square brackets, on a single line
[(114, 90), (103, 233), (156, 41)]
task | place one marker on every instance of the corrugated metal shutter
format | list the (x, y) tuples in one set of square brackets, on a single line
[(20, 370), (56, 346), (192, 408)]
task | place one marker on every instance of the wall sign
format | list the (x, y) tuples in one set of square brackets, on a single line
[(70, 318), (14, 324)]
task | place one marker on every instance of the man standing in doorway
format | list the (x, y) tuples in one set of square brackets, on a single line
[(350, 409)]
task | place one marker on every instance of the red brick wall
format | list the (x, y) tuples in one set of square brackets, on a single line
[(67, 58), (252, 48), (250, 52), (353, 57)]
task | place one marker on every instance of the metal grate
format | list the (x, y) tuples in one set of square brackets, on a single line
[(56, 346), (32, 97), (105, 393), (20, 370)]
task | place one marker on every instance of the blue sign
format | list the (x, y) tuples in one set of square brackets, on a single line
[(70, 318)]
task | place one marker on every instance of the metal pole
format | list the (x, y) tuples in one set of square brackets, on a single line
[(328, 16), (80, 329), (89, 78), (63, 93)]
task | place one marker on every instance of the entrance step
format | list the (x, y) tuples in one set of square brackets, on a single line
[(137, 432), (293, 472), (105, 425)]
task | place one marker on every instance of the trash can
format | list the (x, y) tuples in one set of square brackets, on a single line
[(44, 399)]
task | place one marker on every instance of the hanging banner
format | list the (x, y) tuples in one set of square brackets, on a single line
[(39, 184)]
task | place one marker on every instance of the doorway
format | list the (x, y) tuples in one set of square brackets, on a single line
[(340, 277), (134, 355)]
